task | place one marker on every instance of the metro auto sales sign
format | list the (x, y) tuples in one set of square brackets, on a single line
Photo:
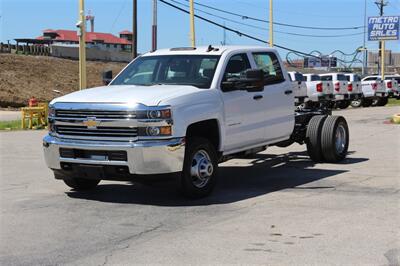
[(383, 28)]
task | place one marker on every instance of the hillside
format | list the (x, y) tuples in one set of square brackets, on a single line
[(22, 77)]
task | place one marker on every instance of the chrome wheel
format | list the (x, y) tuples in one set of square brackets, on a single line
[(356, 103), (340, 139), (201, 169)]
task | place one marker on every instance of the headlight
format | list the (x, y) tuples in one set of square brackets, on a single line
[(154, 114), (155, 131), (52, 111)]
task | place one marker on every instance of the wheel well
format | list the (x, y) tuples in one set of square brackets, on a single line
[(208, 129)]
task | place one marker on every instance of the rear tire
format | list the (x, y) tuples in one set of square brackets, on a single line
[(313, 137), (199, 174), (81, 184), (334, 139), (366, 102)]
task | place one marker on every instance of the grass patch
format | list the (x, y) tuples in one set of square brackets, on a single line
[(16, 125), (393, 102)]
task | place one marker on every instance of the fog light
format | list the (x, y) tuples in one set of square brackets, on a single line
[(153, 131)]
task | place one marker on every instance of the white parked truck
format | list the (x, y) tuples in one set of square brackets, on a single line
[(392, 84), (340, 92), (318, 90), (354, 89), (299, 87), (373, 91), (180, 112)]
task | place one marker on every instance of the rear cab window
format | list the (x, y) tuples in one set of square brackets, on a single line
[(327, 78), (269, 63)]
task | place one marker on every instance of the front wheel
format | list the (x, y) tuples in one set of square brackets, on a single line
[(366, 102), (382, 101), (81, 184), (200, 166), (334, 139), (343, 104)]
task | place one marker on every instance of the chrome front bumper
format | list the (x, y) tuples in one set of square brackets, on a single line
[(143, 157)]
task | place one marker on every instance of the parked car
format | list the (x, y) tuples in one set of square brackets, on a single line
[(340, 92), (318, 90), (179, 113), (299, 87), (354, 89), (373, 91)]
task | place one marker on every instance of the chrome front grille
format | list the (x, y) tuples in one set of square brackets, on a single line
[(99, 114), (112, 132), (95, 124)]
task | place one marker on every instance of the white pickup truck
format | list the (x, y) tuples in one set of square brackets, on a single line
[(318, 90), (340, 92), (354, 89), (373, 91), (392, 83), (299, 87), (180, 112)]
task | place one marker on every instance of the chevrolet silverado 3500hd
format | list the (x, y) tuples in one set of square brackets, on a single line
[(181, 111)]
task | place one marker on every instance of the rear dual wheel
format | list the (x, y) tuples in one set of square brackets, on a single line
[(327, 138)]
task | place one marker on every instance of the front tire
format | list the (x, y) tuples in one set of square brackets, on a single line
[(343, 104), (366, 102), (200, 167), (382, 101), (334, 139), (81, 184)]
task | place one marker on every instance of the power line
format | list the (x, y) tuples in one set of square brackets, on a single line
[(242, 33), (277, 23), (266, 29)]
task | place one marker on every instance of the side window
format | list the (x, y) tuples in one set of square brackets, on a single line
[(269, 63), (236, 65)]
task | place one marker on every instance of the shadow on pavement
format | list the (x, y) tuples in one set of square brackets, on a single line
[(263, 174)]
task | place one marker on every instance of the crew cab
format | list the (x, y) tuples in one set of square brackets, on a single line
[(318, 90), (179, 113), (299, 87), (374, 90)]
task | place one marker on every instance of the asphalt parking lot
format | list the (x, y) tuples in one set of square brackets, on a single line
[(275, 208)]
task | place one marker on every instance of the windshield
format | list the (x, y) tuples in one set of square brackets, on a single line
[(195, 70)]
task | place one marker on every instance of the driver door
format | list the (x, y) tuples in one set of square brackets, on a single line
[(244, 110)]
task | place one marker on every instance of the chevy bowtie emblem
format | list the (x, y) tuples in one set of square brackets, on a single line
[(91, 122)]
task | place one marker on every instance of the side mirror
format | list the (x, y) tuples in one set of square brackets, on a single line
[(107, 77), (253, 79), (229, 85)]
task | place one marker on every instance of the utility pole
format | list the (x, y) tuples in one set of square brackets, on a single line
[(82, 45), (134, 30), (381, 4), (154, 27), (364, 65), (192, 30), (271, 25)]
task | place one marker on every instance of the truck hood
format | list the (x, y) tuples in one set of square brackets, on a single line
[(147, 95)]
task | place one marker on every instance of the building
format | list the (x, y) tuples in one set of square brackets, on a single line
[(102, 41)]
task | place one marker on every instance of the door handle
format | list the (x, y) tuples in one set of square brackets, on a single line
[(288, 92), (257, 97)]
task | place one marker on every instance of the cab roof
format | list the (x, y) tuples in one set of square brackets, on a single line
[(206, 50)]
